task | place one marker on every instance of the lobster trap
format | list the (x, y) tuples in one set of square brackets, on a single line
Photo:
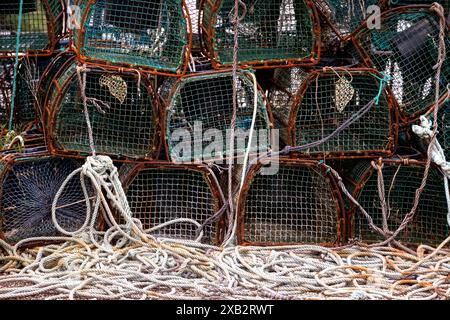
[(159, 192), (122, 108), (406, 49), (28, 185), (401, 180), (289, 202), (345, 16), (152, 34), (41, 26), (318, 114), (271, 32), (198, 114)]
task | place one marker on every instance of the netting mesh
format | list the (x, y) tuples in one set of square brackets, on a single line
[(29, 73), (27, 190), (327, 100), (194, 12), (56, 66), (272, 30), (399, 3), (296, 205), (406, 48), (41, 25), (5, 91), (401, 182), (443, 135), (122, 114), (150, 33), (346, 16), (160, 193), (203, 104)]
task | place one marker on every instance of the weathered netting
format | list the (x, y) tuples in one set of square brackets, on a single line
[(41, 27), (123, 113), (345, 16), (401, 181), (406, 48), (272, 31), (443, 135), (56, 66), (27, 96), (296, 205), (203, 103), (400, 3), (6, 75), (322, 104), (194, 13), (147, 33), (28, 187), (158, 193), (281, 95)]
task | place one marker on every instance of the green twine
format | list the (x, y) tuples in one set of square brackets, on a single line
[(385, 78), (16, 64)]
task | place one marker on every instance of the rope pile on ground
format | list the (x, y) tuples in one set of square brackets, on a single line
[(167, 269)]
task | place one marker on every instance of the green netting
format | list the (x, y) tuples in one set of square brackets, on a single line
[(406, 48), (160, 194), (201, 108), (443, 135), (286, 83), (399, 3), (6, 75), (41, 23), (327, 102), (296, 205), (271, 30), (29, 73), (27, 190), (150, 33), (429, 224), (123, 119), (56, 66), (346, 15)]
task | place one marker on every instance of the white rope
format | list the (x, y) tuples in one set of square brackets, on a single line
[(424, 131)]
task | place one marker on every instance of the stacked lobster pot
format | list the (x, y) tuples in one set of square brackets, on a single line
[(322, 102), (402, 195)]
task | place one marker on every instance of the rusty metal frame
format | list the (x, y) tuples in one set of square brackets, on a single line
[(404, 118), (50, 113), (53, 37), (207, 174), (165, 103), (76, 47), (291, 125), (206, 42), (341, 222)]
